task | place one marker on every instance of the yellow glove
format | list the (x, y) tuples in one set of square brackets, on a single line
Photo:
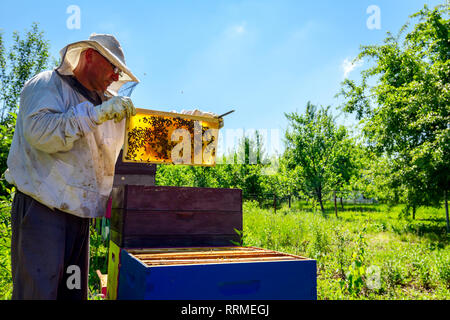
[(115, 108)]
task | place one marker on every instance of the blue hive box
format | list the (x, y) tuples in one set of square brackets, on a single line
[(176, 243), (215, 273)]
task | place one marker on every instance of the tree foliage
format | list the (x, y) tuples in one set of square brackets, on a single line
[(27, 57), (318, 152), (240, 169), (406, 113)]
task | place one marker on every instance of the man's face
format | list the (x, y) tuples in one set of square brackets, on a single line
[(101, 71)]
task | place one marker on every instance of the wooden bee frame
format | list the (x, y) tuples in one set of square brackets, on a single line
[(172, 138), (208, 255)]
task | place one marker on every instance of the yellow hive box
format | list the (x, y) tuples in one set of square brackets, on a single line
[(166, 137)]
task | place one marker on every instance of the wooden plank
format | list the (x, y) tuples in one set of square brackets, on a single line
[(217, 253), (181, 222), (118, 197), (175, 114), (190, 249), (178, 198), (206, 255), (210, 253), (177, 240), (210, 261), (113, 271), (117, 219), (116, 237), (136, 179), (224, 252), (201, 260), (127, 168), (218, 259)]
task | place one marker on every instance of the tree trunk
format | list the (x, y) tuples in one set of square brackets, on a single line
[(319, 196), (275, 203), (335, 205), (446, 210), (342, 204), (414, 212)]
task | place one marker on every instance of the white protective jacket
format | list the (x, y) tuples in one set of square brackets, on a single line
[(59, 155)]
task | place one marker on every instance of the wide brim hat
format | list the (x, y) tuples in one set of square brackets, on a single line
[(108, 46)]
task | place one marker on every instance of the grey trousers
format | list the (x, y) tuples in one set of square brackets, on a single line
[(49, 252)]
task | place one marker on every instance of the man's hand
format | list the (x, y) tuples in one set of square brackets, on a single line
[(115, 108), (197, 112)]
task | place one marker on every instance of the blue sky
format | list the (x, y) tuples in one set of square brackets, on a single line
[(261, 58)]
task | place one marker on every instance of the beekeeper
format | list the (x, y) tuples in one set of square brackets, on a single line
[(69, 132)]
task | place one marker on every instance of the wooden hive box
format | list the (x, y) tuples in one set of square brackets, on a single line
[(133, 173), (126, 173), (181, 243), (159, 216)]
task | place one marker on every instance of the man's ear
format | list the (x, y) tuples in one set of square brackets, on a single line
[(89, 54)]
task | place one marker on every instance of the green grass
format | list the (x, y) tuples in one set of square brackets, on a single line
[(410, 258), (5, 250), (98, 261)]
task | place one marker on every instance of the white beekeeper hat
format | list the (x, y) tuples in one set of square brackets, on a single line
[(108, 46)]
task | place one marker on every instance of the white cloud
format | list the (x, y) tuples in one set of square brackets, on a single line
[(348, 66)]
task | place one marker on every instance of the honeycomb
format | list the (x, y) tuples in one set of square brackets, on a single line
[(165, 137)]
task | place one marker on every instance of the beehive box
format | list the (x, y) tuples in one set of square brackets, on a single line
[(125, 174), (160, 216), (133, 173), (181, 243), (166, 137), (215, 273)]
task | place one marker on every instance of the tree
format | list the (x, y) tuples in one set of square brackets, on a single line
[(247, 165), (406, 113), (315, 151), (346, 165), (277, 179), (26, 58), (371, 176)]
